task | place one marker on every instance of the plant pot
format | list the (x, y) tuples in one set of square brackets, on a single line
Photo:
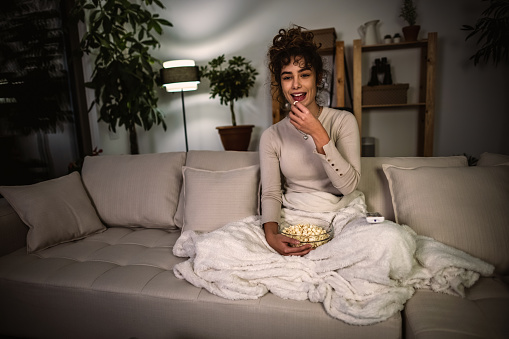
[(235, 138), (411, 33)]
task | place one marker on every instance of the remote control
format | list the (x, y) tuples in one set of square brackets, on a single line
[(374, 217)]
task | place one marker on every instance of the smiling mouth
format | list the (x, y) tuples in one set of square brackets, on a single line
[(299, 96)]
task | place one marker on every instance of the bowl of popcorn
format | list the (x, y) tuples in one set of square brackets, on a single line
[(312, 231)]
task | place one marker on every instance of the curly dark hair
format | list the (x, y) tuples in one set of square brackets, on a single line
[(295, 41)]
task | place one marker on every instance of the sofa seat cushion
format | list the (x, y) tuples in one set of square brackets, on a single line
[(116, 258), (481, 314), (120, 284)]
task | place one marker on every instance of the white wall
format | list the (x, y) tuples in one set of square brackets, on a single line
[(472, 109)]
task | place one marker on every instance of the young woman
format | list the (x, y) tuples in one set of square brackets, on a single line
[(310, 165), (313, 152)]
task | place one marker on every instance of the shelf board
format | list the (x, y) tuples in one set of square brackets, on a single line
[(418, 104), (399, 45)]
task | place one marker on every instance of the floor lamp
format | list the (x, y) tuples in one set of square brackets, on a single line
[(180, 76)]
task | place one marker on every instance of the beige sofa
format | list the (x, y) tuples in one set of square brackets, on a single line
[(95, 260)]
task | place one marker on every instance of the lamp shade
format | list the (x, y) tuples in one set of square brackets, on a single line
[(180, 75)]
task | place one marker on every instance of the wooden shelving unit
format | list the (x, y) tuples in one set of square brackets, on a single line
[(426, 85)]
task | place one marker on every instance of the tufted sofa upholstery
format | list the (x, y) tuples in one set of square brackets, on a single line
[(119, 283), (481, 314)]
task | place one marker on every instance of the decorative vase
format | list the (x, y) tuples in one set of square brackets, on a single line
[(369, 32), (235, 138), (411, 33)]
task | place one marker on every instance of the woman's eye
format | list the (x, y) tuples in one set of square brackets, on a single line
[(286, 78), (305, 75)]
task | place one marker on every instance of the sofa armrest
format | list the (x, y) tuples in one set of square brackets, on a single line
[(13, 231)]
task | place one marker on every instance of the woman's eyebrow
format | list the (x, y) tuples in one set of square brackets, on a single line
[(300, 70)]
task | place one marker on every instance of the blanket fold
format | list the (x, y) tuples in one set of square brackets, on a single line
[(364, 275)]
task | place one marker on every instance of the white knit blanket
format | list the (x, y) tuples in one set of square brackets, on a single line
[(364, 275)]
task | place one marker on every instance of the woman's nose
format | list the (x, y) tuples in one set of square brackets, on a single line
[(296, 83)]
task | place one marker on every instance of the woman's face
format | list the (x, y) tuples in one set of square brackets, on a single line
[(298, 82)]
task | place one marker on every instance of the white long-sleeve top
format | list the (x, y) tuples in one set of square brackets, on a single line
[(290, 163)]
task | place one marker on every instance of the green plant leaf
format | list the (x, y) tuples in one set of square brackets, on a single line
[(408, 12), (165, 22), (492, 33), (231, 82), (157, 27)]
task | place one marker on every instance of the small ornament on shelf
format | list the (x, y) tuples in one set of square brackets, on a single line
[(375, 70), (387, 72), (374, 77), (381, 90), (380, 73)]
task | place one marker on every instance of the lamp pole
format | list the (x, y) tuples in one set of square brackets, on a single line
[(184, 116)]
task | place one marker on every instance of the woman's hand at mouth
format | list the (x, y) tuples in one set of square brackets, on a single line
[(302, 118)]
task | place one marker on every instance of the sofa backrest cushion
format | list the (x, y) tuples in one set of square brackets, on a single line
[(135, 190), (56, 211), (374, 184), (463, 207), (212, 199), (215, 161), (13, 231)]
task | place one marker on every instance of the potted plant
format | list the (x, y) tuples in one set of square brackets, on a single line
[(409, 13), (492, 30), (120, 34), (231, 83)]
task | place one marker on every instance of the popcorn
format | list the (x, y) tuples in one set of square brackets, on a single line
[(307, 233)]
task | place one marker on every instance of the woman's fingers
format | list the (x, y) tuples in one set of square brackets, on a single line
[(299, 113), (302, 118), (299, 251)]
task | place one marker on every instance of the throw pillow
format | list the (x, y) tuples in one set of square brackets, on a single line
[(374, 184), (493, 159), (214, 198), (464, 207), (56, 211), (214, 161), (135, 190)]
